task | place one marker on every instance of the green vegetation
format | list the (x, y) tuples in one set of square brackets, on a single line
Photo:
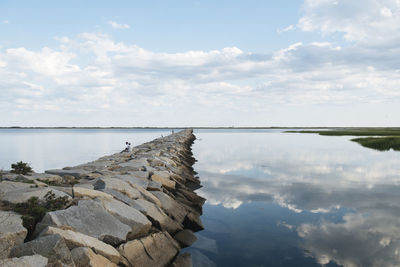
[(384, 138), (21, 168), (34, 209), (355, 132), (380, 143)]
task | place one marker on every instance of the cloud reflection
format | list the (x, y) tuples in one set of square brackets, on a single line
[(309, 173)]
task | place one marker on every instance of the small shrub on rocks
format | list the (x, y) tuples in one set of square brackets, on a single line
[(34, 209), (21, 168)]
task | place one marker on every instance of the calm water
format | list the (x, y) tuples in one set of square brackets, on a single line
[(277, 199), (274, 199), (47, 149)]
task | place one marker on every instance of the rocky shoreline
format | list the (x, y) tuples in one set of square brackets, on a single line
[(134, 208)]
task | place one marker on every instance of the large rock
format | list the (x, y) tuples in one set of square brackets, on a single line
[(14, 192), (120, 196), (12, 233), (77, 173), (182, 260), (139, 223), (193, 197), (185, 238), (89, 218), (105, 184), (52, 247), (166, 182), (143, 175), (85, 257), (154, 186), (26, 261), (82, 192), (147, 195), (154, 250), (192, 221), (76, 239), (171, 207), (131, 179), (157, 216), (134, 165)]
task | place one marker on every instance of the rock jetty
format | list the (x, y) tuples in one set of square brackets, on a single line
[(135, 208)]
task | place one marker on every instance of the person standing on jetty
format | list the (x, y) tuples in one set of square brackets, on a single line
[(128, 147)]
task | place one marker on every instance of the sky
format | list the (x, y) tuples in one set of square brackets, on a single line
[(200, 63)]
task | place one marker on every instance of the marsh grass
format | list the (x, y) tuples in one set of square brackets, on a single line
[(355, 132), (380, 143)]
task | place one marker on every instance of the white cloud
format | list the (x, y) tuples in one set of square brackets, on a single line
[(369, 22), (92, 71), (116, 25), (286, 29), (6, 22)]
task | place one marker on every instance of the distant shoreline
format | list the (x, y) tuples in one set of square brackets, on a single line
[(212, 128)]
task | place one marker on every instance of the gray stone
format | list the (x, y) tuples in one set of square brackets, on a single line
[(193, 222), (134, 165), (12, 233), (182, 260), (132, 180), (52, 247), (144, 175), (14, 192), (26, 261), (82, 192), (45, 176), (171, 207), (185, 238), (85, 257), (157, 216), (154, 250), (154, 186), (120, 196), (76, 239), (139, 224), (77, 173), (118, 185), (89, 218)]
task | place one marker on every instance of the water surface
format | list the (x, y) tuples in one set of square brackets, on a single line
[(47, 149), (278, 199), (273, 199)]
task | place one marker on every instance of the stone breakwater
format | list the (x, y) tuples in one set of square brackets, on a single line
[(134, 208)]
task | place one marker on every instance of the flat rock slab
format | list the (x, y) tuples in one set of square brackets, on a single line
[(157, 216), (134, 165), (154, 186), (12, 233), (75, 239), (85, 257), (26, 261), (81, 192), (175, 210), (14, 192), (89, 218), (52, 247), (104, 184), (169, 184), (154, 250), (132, 180), (139, 223), (77, 173), (185, 238)]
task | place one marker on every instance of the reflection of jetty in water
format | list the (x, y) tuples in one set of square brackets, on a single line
[(328, 198)]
